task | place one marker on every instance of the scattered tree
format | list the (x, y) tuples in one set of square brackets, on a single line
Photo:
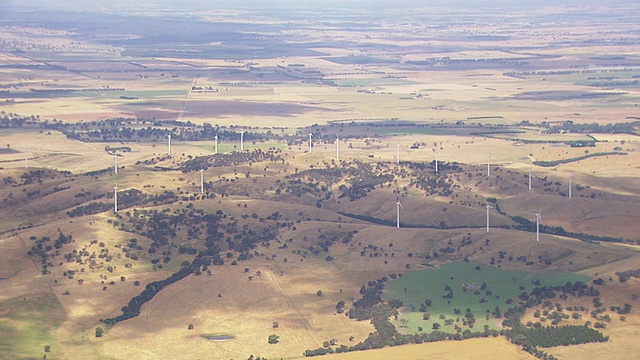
[(273, 339)]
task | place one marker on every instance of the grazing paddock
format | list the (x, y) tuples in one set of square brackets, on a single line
[(473, 286)]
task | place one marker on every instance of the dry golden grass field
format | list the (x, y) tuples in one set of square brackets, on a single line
[(282, 232)]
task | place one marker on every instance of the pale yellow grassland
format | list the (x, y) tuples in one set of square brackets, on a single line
[(246, 310), (489, 349), (618, 139)]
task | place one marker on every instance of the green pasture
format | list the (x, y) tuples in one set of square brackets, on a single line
[(414, 288), (25, 323)]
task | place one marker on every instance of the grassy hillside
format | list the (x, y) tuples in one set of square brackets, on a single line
[(288, 230)]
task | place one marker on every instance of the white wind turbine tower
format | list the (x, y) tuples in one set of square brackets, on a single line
[(310, 145), (398, 206), (215, 144), (488, 207), (488, 165), (538, 217), (201, 181), (397, 153), (115, 199), (436, 162), (241, 140), (570, 177), (115, 162), (169, 144), (337, 148)]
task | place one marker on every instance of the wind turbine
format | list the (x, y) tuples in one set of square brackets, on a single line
[(337, 148), (115, 199), (241, 140), (215, 144), (436, 162), (397, 153), (201, 181), (398, 206), (570, 186), (538, 217), (310, 145), (169, 143), (530, 168), (488, 207), (488, 165), (115, 162)]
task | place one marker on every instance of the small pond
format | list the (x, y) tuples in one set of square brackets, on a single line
[(222, 337)]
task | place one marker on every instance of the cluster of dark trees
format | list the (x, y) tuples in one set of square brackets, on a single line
[(595, 128), (328, 175), (47, 250), (360, 186), (126, 199), (231, 159), (370, 304), (91, 208), (11, 120), (113, 149), (528, 225), (360, 178), (540, 296), (130, 129), (34, 177), (371, 219), (217, 229), (535, 351), (622, 310), (626, 275), (548, 336), (299, 188), (132, 309), (434, 184), (38, 176), (577, 158), (99, 172), (576, 289), (423, 176)]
